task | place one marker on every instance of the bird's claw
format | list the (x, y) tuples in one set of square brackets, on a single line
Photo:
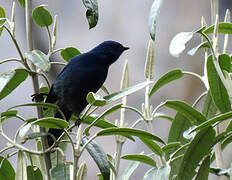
[(78, 122), (38, 97)]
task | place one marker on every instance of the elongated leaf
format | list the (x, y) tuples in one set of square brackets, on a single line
[(10, 80), (127, 91), (165, 79), (22, 3), (50, 122), (141, 158), (209, 108), (60, 172), (42, 17), (101, 123), (99, 156), (21, 171), (223, 27), (177, 45), (104, 89), (186, 110), (34, 173), (44, 105), (69, 52), (36, 135), (2, 15), (218, 91), (129, 170), (82, 172), (91, 12), (200, 46), (129, 132), (150, 61), (163, 116), (152, 145), (225, 62), (39, 59), (8, 114), (125, 77), (161, 173), (154, 11), (6, 169), (95, 99), (105, 113), (194, 154), (212, 121), (203, 171), (171, 146)]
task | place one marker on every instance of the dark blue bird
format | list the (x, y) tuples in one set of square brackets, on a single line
[(84, 73)]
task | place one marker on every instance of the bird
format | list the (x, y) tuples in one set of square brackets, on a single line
[(83, 74)]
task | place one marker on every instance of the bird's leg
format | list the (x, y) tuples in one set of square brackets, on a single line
[(38, 97), (78, 121)]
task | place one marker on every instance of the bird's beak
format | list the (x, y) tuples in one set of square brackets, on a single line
[(125, 48)]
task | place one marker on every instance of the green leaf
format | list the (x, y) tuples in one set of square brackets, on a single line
[(141, 158), (154, 11), (82, 172), (172, 145), (161, 173), (163, 116), (39, 59), (200, 46), (186, 110), (8, 114), (21, 171), (218, 91), (22, 3), (225, 62), (150, 61), (209, 108), (105, 113), (193, 155), (177, 45), (129, 132), (60, 172), (2, 15), (165, 79), (127, 91), (69, 52), (95, 99), (152, 145), (34, 173), (50, 122), (91, 12), (223, 27), (6, 169), (10, 80), (42, 17), (104, 89), (100, 177), (203, 171), (36, 135), (43, 105), (129, 170), (99, 156), (212, 121), (101, 123)]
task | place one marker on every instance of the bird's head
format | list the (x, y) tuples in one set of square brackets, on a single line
[(108, 51)]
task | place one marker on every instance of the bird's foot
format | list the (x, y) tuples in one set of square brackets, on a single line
[(78, 122), (38, 97)]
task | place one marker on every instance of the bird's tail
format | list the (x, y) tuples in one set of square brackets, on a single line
[(57, 132)]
